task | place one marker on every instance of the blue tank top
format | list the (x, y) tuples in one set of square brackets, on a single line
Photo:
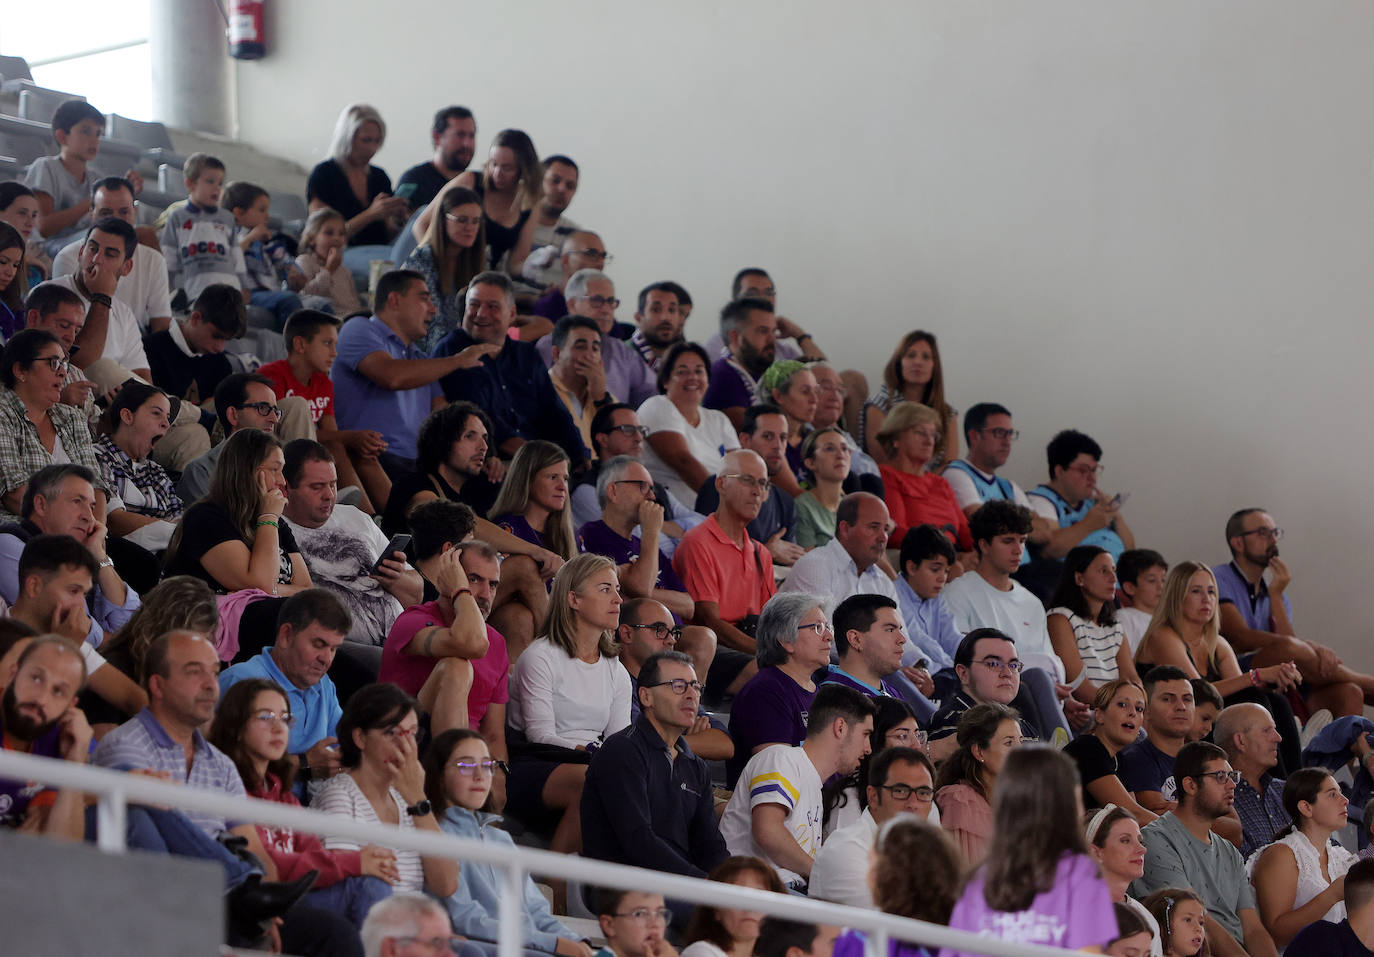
[(1103, 538)]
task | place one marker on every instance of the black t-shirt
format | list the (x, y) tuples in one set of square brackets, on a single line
[(191, 378), (1333, 940), (1094, 761), (207, 524), (477, 493), (329, 184), (425, 182)]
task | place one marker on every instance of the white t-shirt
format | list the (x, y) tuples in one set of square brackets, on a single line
[(708, 442), (555, 699), (966, 493), (776, 775), (123, 339), (340, 554), (341, 795), (1134, 623), (1016, 613), (144, 290)]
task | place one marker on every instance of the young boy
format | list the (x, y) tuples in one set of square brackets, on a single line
[(62, 184), (633, 923), (1207, 704), (188, 363), (273, 279), (925, 558), (1140, 575), (198, 241), (312, 340)]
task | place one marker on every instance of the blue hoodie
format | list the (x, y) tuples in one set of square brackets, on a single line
[(473, 907)]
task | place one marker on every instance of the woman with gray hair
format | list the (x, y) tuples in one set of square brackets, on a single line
[(794, 639), (349, 183)]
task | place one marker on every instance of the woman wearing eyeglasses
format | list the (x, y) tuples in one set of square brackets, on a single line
[(910, 436), (453, 252), (967, 779), (794, 638), (687, 442), (383, 783), (458, 776), (36, 428), (234, 538), (252, 725)]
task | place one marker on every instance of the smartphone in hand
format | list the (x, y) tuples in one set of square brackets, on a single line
[(398, 543)]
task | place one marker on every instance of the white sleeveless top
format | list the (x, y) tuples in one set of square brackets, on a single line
[(1097, 645), (1310, 879)]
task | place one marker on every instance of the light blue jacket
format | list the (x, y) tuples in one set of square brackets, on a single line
[(473, 907)]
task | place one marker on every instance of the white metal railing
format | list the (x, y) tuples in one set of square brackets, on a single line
[(116, 789)]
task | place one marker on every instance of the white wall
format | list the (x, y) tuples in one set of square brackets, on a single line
[(1150, 221)]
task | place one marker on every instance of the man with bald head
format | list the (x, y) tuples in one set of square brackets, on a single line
[(591, 293), (38, 715), (848, 563), (1247, 734), (727, 573), (582, 249), (511, 382)]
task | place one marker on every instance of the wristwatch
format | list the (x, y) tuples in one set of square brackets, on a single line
[(419, 810)]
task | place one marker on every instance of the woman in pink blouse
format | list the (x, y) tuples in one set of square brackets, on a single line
[(963, 789)]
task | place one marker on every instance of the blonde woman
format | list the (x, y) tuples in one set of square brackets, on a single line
[(913, 374), (910, 438), (349, 183), (568, 693), (1185, 632)]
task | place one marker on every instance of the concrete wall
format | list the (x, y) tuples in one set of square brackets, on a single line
[(1150, 221)]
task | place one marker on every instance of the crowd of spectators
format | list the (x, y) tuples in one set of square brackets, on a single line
[(472, 556)]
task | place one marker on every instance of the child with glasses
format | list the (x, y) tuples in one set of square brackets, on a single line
[(459, 770), (252, 724)]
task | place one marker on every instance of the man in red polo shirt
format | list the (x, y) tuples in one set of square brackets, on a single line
[(727, 573)]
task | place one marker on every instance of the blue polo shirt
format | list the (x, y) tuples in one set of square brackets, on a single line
[(1251, 601), (316, 709), (359, 403)]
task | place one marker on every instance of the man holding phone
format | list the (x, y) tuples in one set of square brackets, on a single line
[(343, 548)]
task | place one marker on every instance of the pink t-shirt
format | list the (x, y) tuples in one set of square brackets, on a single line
[(318, 392), (410, 672)]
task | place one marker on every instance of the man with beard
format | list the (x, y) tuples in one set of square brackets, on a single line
[(751, 335), (660, 319), (341, 544), (310, 628), (1182, 851), (443, 652), (455, 141), (39, 716), (754, 283), (1256, 616)]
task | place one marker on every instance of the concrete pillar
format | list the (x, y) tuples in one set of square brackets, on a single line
[(193, 79)]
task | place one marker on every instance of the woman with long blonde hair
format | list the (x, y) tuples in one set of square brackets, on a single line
[(348, 181), (568, 693), (1185, 632)]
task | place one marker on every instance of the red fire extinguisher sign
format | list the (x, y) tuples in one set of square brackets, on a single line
[(246, 40)]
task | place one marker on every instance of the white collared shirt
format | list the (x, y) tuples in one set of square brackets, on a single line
[(829, 573)]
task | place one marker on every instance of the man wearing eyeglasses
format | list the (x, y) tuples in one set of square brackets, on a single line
[(900, 781), (582, 249), (647, 628), (974, 478), (407, 924), (989, 672), (616, 430), (245, 400), (1257, 617), (591, 293), (640, 809), (1182, 851), (1074, 510)]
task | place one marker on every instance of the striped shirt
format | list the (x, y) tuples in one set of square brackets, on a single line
[(776, 775), (1097, 645), (342, 796)]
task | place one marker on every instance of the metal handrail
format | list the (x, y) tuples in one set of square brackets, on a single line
[(116, 789)]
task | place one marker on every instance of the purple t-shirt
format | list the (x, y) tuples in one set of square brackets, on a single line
[(728, 387), (16, 796), (600, 539), (521, 529), (771, 707), (1253, 607), (835, 675), (1076, 911)]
